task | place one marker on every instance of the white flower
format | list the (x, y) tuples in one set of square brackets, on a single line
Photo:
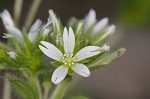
[(68, 58), (100, 26), (7, 19), (9, 25), (90, 20), (15, 32), (46, 28), (54, 20), (111, 29), (12, 54), (33, 32)]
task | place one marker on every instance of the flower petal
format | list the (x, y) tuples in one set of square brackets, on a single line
[(59, 74), (6, 18), (86, 52), (90, 19), (65, 40), (54, 19), (100, 26), (12, 54), (51, 51), (36, 25), (16, 33), (81, 70), (32, 35), (111, 29), (68, 40), (71, 40), (46, 28), (7, 35)]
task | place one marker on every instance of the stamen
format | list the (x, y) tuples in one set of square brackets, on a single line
[(68, 59)]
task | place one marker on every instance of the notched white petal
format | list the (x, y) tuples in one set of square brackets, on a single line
[(7, 35), (51, 51), (65, 40), (6, 18), (100, 26), (35, 28), (81, 70), (71, 40), (54, 19), (16, 33), (86, 52), (36, 25), (90, 19), (59, 74), (46, 28)]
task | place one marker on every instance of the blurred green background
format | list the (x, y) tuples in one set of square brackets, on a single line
[(129, 76)]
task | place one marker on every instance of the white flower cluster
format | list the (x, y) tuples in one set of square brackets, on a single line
[(99, 26), (70, 59), (14, 32)]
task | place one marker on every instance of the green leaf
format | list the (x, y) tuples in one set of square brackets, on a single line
[(22, 88), (106, 59)]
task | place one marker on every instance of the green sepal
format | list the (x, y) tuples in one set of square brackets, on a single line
[(96, 40), (106, 59), (56, 63), (28, 45)]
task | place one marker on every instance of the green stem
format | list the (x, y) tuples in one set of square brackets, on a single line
[(60, 90), (46, 93), (36, 85), (7, 90), (46, 86), (32, 12), (17, 10)]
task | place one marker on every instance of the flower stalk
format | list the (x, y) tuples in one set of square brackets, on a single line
[(32, 12), (17, 10), (60, 89), (7, 90)]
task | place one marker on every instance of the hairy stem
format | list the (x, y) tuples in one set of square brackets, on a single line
[(46, 93), (32, 12), (60, 90), (46, 86), (36, 86)]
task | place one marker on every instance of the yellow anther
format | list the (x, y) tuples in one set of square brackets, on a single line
[(68, 59)]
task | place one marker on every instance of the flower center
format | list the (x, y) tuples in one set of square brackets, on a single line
[(68, 59)]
